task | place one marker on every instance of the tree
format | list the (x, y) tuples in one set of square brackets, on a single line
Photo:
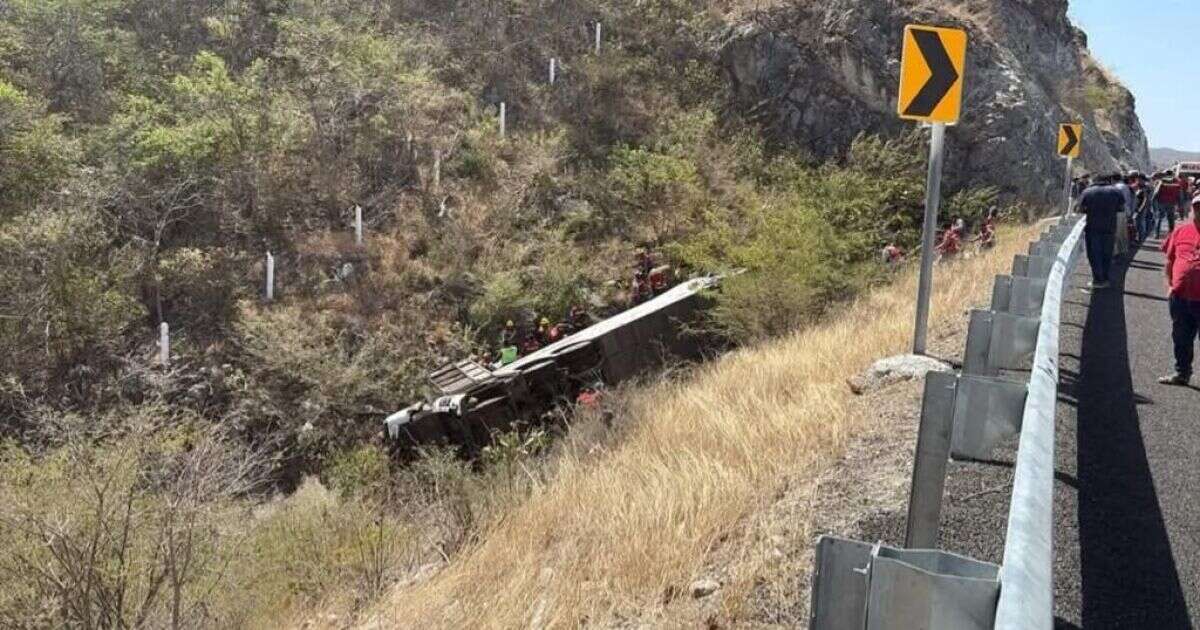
[(130, 534)]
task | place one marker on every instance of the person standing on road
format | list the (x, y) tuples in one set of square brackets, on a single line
[(1145, 207), (1183, 283), (1185, 194), (1100, 204), (1167, 194), (1139, 198), (1122, 233)]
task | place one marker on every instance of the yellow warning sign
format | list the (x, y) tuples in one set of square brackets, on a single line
[(931, 73), (1070, 139)]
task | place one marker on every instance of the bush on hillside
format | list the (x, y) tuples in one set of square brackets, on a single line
[(814, 237), (137, 532), (68, 297)]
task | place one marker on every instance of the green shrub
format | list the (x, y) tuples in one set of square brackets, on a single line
[(810, 236), (504, 298), (1101, 97), (311, 546), (35, 155), (358, 472), (136, 532), (199, 288), (312, 384), (658, 189), (790, 270), (972, 204), (69, 295)]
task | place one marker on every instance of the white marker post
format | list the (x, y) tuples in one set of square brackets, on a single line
[(437, 169), (553, 69), (598, 27), (503, 119), (270, 277), (933, 201), (164, 345), (358, 237)]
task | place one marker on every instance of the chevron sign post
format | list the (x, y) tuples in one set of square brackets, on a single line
[(1070, 145), (931, 88)]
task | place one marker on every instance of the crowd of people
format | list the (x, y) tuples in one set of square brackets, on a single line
[(951, 240), (1125, 209), (518, 339)]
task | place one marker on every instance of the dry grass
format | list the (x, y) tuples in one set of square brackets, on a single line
[(617, 537)]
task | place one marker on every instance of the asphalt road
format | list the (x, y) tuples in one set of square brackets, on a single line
[(1127, 496)]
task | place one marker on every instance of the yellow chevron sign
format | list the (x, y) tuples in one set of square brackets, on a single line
[(1070, 139), (931, 74)]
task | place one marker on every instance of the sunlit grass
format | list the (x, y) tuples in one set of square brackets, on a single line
[(612, 534)]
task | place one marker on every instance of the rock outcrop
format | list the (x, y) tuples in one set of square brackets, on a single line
[(819, 73)]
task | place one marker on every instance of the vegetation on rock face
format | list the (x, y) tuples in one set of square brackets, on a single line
[(152, 152)]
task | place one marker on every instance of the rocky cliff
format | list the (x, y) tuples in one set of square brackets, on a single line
[(819, 73)]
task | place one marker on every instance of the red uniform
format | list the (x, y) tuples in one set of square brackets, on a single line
[(951, 243), (1170, 192), (1183, 259)]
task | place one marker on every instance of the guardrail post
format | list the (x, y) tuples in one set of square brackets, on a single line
[(997, 340), (1013, 341), (861, 586), (1027, 295), (1032, 266), (986, 411), (961, 416), (1018, 295), (979, 343), (1002, 293), (929, 467)]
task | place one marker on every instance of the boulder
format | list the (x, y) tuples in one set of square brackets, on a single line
[(703, 588), (905, 367)]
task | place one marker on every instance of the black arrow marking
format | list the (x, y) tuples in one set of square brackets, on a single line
[(943, 76), (1072, 140)]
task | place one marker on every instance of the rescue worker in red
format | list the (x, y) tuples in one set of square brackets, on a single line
[(892, 254), (548, 333), (1167, 194), (987, 232), (577, 319), (951, 243), (1183, 283), (590, 396), (641, 291), (532, 343), (645, 262)]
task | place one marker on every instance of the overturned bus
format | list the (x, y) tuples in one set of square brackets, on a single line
[(477, 402)]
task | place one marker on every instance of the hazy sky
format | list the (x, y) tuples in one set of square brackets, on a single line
[(1151, 48)]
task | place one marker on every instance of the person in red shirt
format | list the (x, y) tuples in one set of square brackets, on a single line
[(1167, 194), (892, 255), (951, 242), (1183, 282)]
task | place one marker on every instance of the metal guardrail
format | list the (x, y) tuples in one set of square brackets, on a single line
[(1027, 596), (859, 585)]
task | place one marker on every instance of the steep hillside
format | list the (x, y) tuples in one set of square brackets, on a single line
[(154, 153), (620, 534), (821, 72)]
